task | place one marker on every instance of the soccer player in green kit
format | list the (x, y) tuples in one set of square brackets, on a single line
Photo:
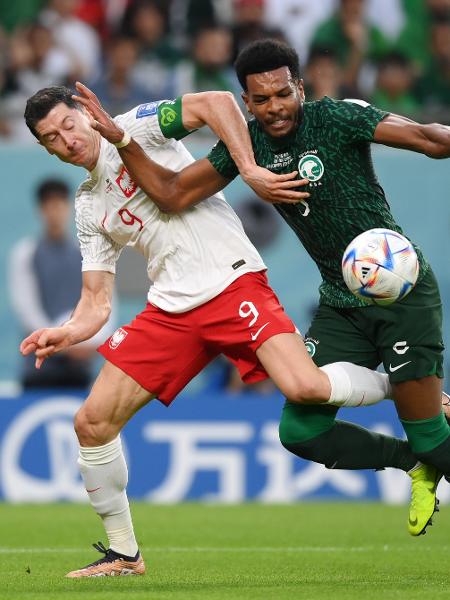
[(328, 142)]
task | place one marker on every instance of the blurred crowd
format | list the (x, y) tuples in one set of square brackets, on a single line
[(394, 53)]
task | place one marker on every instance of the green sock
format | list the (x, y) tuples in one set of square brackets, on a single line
[(430, 439), (426, 434), (312, 433)]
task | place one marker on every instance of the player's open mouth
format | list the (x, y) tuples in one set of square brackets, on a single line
[(279, 124)]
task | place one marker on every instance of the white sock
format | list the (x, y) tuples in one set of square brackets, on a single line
[(352, 385), (105, 475)]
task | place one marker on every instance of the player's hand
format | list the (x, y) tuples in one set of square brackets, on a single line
[(45, 342), (275, 188), (101, 120)]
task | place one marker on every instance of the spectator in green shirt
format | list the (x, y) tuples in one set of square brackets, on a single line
[(352, 39), (394, 87)]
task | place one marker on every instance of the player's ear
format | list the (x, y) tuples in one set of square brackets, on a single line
[(244, 97), (301, 90)]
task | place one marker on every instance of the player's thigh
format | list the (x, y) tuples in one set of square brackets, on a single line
[(287, 362), (115, 397), (409, 334), (335, 335), (241, 319), (161, 351)]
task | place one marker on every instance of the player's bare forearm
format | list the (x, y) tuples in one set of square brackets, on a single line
[(159, 183), (172, 191), (176, 191), (94, 307), (432, 139), (220, 111)]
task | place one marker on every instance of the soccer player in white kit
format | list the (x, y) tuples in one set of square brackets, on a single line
[(209, 292)]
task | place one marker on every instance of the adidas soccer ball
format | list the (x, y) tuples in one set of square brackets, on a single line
[(380, 266)]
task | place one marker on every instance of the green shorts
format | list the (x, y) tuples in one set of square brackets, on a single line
[(405, 336)]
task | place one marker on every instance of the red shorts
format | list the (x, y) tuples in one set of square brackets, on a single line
[(163, 351)]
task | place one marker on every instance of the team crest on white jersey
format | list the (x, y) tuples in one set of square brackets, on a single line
[(117, 338), (126, 184), (310, 167)]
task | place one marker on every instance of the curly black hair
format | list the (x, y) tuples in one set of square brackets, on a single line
[(266, 55)]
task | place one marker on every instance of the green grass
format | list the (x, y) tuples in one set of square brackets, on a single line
[(193, 551)]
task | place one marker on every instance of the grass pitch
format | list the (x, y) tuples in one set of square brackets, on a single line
[(192, 551)]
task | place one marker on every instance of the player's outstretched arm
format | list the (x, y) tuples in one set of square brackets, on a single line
[(221, 113), (89, 316), (175, 191), (400, 132)]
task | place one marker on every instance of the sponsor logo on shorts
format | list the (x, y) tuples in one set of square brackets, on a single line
[(310, 167), (397, 367), (400, 347), (117, 338), (125, 183), (146, 110), (311, 346)]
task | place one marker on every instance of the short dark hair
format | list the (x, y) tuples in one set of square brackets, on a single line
[(42, 102), (266, 55), (51, 187), (395, 59), (318, 52)]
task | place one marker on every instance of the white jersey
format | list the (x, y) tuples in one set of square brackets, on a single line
[(192, 256)]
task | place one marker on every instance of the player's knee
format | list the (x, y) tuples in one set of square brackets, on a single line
[(90, 429)]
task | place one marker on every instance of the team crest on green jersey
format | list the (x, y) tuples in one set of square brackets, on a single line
[(310, 167), (311, 346)]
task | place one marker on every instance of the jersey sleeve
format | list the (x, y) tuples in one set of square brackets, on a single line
[(221, 160), (355, 120), (99, 252), (155, 123)]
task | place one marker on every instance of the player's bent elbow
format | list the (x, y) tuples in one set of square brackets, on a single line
[(301, 391), (438, 151)]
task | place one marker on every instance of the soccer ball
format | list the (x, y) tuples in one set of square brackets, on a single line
[(380, 266)]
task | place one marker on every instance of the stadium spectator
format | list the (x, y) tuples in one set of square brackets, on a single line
[(394, 90), (44, 287), (146, 21), (73, 35), (117, 86), (33, 59), (323, 76), (186, 17), (354, 41), (18, 14), (433, 90), (249, 25), (298, 19), (209, 68)]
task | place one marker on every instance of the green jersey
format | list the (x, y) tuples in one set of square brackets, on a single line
[(330, 148)]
